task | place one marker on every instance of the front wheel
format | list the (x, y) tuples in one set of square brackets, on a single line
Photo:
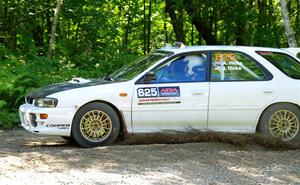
[(95, 124), (281, 121), (68, 139)]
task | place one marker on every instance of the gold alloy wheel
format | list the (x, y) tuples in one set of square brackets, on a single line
[(95, 125), (284, 124)]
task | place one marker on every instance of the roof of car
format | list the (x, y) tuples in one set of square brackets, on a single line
[(294, 51), (218, 47)]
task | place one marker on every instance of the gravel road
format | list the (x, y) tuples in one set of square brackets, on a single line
[(32, 159)]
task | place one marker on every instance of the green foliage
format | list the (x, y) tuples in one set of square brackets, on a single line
[(96, 37), (21, 74)]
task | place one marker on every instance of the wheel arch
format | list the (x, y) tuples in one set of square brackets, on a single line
[(123, 128), (265, 109)]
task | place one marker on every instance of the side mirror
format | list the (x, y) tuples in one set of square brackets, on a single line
[(149, 76)]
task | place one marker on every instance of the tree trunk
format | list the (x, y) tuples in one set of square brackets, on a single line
[(166, 33), (298, 19), (149, 27), (12, 41), (205, 31), (175, 11), (128, 23), (270, 5), (192, 35), (260, 39), (48, 20), (38, 36), (287, 25), (9, 24), (53, 30), (145, 27), (2, 21), (202, 26)]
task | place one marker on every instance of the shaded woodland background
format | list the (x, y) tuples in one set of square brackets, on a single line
[(94, 37)]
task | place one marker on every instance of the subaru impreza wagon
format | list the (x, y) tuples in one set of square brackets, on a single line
[(210, 88)]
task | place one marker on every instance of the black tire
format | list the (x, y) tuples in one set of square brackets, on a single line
[(85, 141), (265, 124), (69, 139)]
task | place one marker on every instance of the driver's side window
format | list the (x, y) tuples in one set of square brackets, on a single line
[(186, 68)]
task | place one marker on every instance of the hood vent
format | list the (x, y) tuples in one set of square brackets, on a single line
[(79, 81)]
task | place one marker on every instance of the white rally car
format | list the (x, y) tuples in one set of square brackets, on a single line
[(210, 88)]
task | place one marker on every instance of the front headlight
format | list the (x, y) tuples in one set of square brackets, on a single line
[(46, 102)]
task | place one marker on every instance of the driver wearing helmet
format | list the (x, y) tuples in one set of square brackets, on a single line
[(178, 70), (197, 67)]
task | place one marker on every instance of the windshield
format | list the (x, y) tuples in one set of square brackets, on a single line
[(133, 69)]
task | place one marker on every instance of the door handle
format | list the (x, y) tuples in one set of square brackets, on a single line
[(268, 91), (197, 92)]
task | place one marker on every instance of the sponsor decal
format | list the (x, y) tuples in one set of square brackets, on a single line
[(169, 91), (151, 101), (158, 95), (58, 126)]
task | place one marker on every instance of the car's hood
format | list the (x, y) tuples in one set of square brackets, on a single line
[(54, 88)]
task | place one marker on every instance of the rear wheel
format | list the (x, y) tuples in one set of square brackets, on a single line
[(95, 124), (281, 121)]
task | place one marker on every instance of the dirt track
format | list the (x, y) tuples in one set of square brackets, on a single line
[(31, 159)]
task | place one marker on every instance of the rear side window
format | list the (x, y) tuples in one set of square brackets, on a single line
[(285, 63), (298, 55), (234, 66)]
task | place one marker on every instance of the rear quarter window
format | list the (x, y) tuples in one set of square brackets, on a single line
[(285, 63)]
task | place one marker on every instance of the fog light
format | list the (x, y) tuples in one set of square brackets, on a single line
[(43, 116)]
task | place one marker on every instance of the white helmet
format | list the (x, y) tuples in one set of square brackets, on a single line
[(194, 60)]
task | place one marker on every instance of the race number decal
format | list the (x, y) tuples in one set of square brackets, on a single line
[(147, 92), (158, 95), (225, 57), (227, 62)]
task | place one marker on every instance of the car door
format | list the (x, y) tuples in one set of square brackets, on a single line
[(240, 87), (177, 99)]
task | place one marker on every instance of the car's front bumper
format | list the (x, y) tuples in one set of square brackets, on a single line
[(59, 120)]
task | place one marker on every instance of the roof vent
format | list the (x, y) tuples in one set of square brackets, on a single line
[(79, 81), (178, 45)]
